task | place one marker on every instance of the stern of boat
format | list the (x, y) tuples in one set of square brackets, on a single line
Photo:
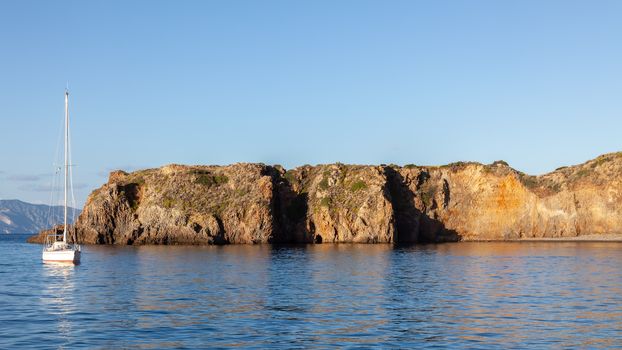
[(55, 250)]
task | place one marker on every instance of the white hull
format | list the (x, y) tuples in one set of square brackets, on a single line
[(65, 255)]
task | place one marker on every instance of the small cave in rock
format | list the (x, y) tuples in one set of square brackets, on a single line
[(196, 227)]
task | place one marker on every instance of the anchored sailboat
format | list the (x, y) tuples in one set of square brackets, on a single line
[(56, 247)]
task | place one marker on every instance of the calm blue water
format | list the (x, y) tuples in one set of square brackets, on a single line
[(464, 295)]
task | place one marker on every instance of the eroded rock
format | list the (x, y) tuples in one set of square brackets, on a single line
[(256, 203)]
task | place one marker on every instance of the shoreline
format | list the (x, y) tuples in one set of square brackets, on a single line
[(607, 237)]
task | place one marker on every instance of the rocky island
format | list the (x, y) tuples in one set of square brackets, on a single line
[(337, 203)]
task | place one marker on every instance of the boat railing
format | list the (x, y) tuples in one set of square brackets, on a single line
[(53, 237)]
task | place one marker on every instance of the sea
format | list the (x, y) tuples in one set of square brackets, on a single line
[(480, 295)]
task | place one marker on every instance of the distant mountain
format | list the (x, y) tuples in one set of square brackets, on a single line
[(21, 217)]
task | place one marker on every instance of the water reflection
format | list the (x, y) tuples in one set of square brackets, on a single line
[(346, 281), (501, 290), (509, 295), (58, 299)]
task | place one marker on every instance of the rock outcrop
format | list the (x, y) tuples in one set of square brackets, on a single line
[(471, 201), (182, 205), (256, 203), (337, 203)]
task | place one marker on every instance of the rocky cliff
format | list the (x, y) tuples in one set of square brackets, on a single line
[(472, 201), (336, 203), (256, 203), (183, 205)]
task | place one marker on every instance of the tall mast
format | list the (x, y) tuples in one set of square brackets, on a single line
[(66, 163)]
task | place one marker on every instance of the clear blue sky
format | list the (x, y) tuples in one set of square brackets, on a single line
[(536, 83)]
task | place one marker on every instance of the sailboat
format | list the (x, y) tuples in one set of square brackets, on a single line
[(56, 248)]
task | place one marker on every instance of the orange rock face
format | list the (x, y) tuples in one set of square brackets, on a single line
[(481, 202)]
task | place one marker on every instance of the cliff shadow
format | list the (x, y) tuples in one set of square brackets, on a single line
[(290, 209), (412, 225)]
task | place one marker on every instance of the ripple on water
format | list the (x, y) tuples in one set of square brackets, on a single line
[(476, 295)]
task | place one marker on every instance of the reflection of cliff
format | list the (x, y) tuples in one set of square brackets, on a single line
[(255, 203)]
